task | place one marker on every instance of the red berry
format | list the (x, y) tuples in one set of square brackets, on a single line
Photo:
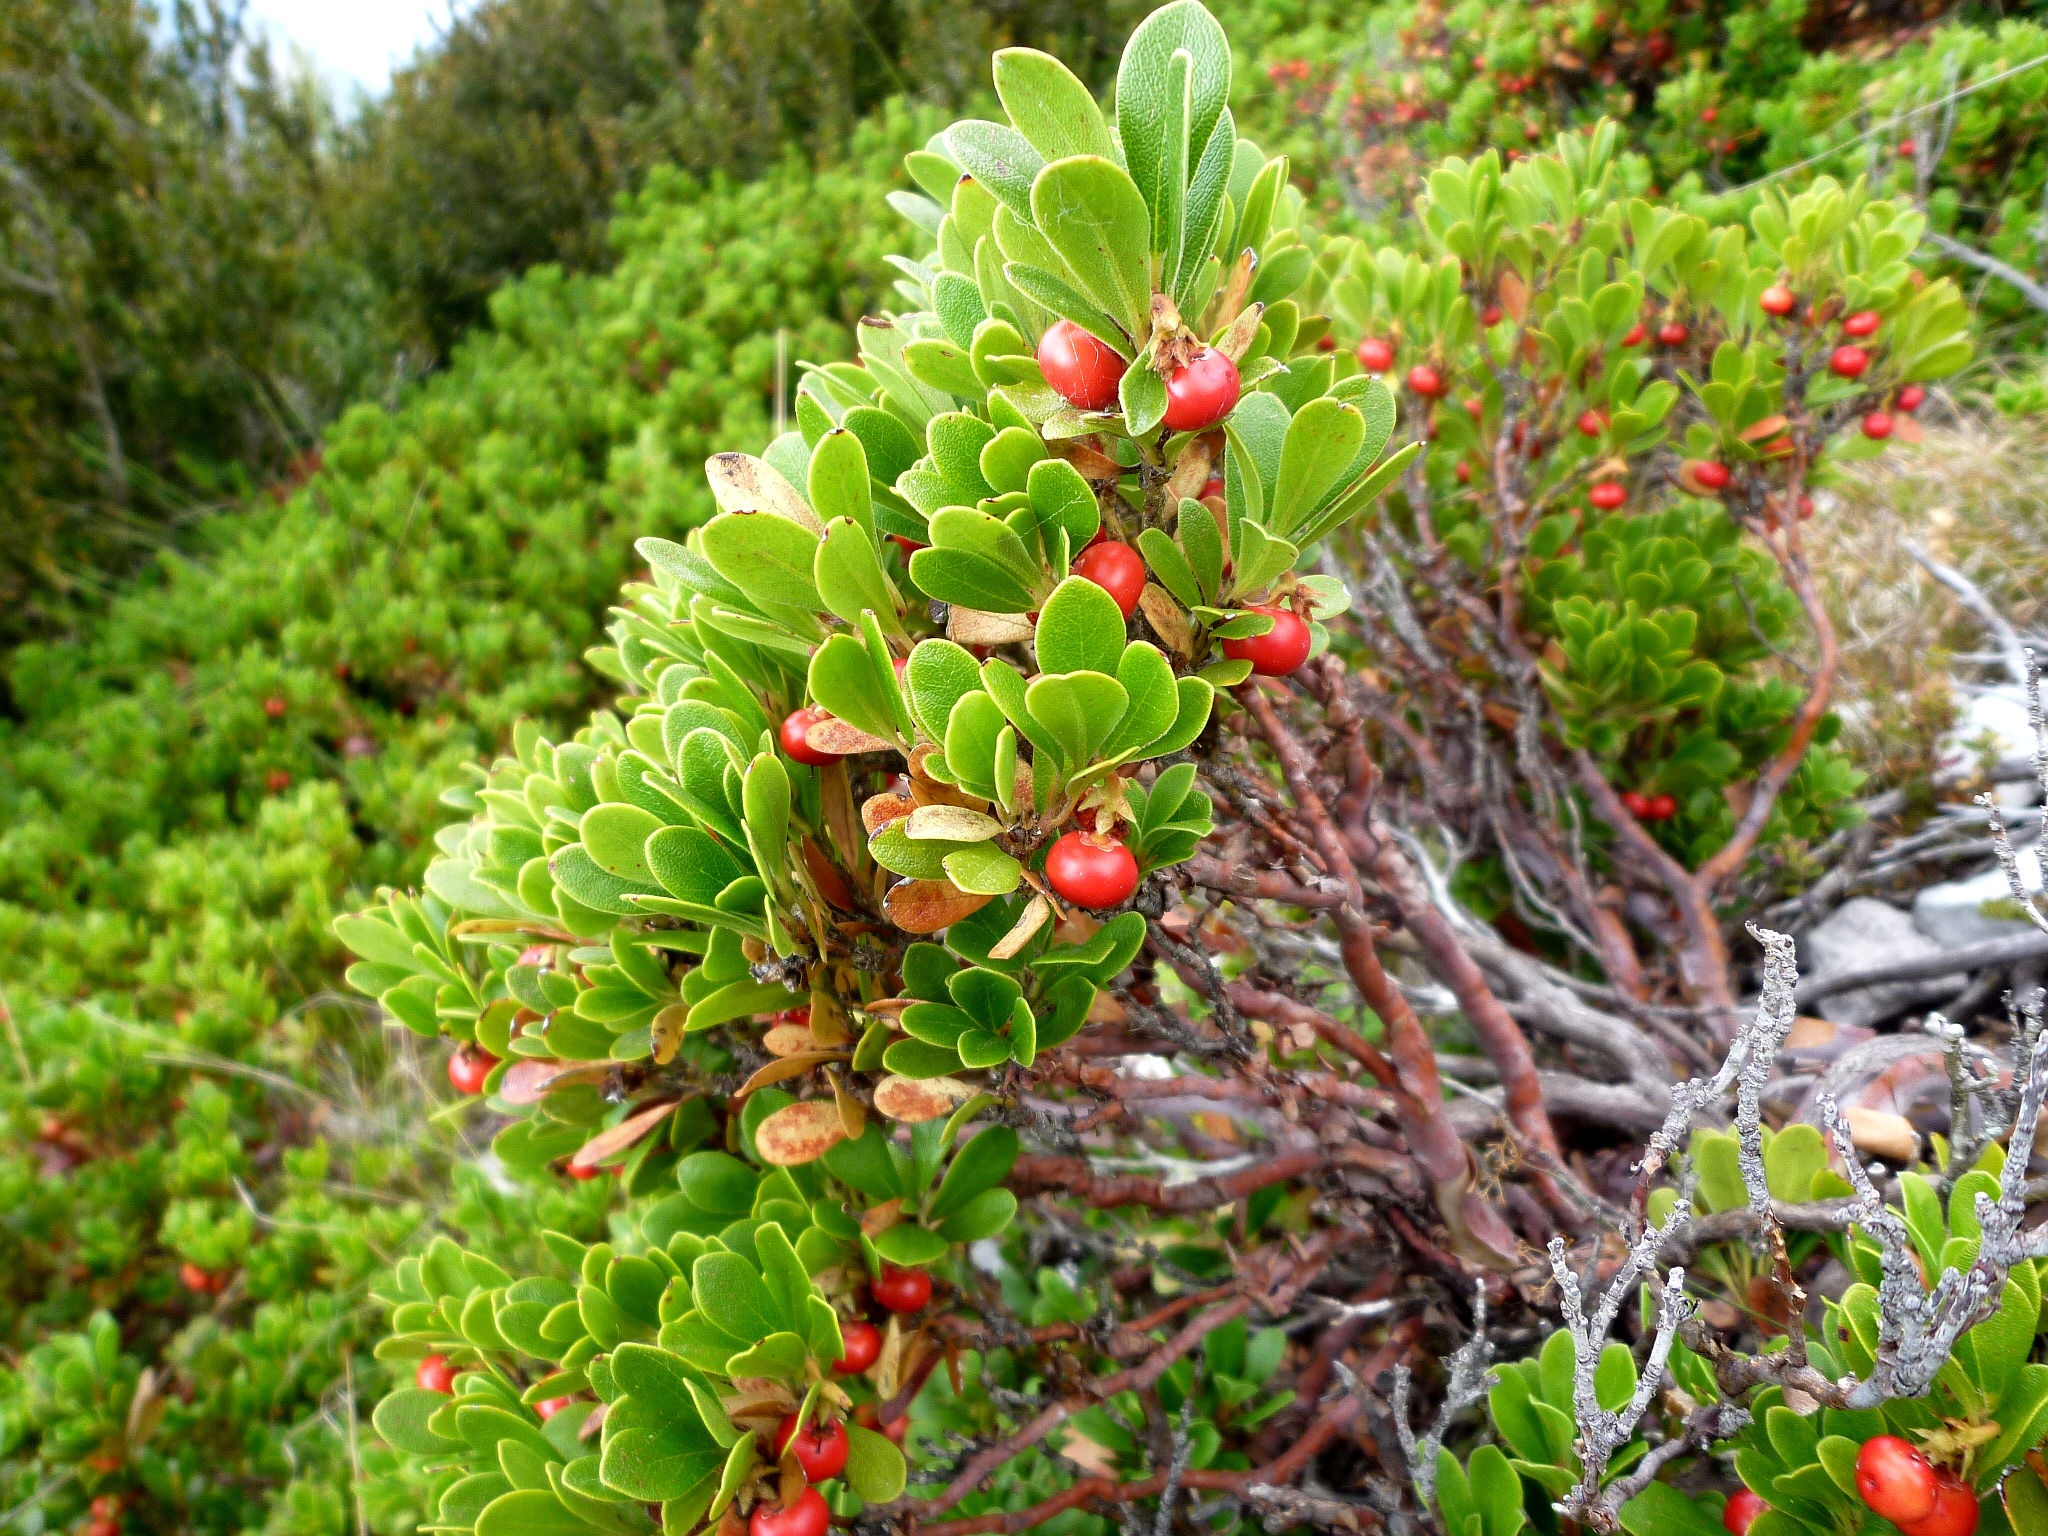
[(1279, 650), (1474, 407), (1743, 1508), (1088, 874), (274, 707), (1636, 803), (548, 1407), (1662, 807), (1911, 398), (1463, 472), (468, 1068), (1591, 424), (104, 1526), (1672, 334), (1710, 114), (1326, 343), (106, 1506), (863, 1343), (1116, 568), (1213, 486), (435, 1374), (1777, 300), (1878, 425), (1083, 368), (820, 1449), (793, 732), (907, 1290), (1636, 335), (277, 781), (193, 1278), (1201, 392), (808, 1516), (583, 1172), (1849, 362), (1895, 1480), (1906, 148), (1863, 323), (1710, 472), (1374, 355), (1608, 495), (1425, 381), (1955, 1509), (1490, 316), (908, 545)]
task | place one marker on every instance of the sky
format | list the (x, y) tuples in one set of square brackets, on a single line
[(353, 43)]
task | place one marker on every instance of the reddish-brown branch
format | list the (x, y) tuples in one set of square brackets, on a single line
[(1769, 784), (1703, 958), (1071, 1175), (1477, 1228)]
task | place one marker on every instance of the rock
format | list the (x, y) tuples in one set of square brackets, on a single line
[(1862, 933), (1979, 907), (1993, 719)]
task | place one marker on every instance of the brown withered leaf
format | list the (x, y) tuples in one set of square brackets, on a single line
[(1034, 917), (1090, 461), (799, 1133), (1107, 1010), (529, 1081), (843, 740), (877, 811), (853, 1115), (789, 1040), (782, 1070), (667, 1031), (1244, 330), (1224, 307), (826, 877), (1169, 622), (828, 1020), (1769, 427), (1190, 470), (916, 1100), (888, 1007), (620, 1136), (951, 823), (843, 830), (1514, 295), (926, 906), (880, 1218), (743, 483), (970, 626)]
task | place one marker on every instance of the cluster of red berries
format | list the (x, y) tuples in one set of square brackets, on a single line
[(1903, 1486), (1649, 807), (1087, 372)]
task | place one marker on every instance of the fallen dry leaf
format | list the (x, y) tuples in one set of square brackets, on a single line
[(926, 906), (800, 1133)]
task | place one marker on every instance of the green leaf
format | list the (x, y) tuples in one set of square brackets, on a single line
[(1078, 710), (999, 157), (736, 1001), (1147, 111), (1322, 441), (767, 557), (731, 1293), (983, 869), (692, 865), (1063, 499), (1049, 105), (921, 1059), (838, 482), (780, 1354), (529, 1512), (843, 681), (1080, 629), (1170, 565), (1154, 700), (1141, 395), (1496, 1492), (1092, 213), (1661, 1510), (657, 1378), (908, 1244), (984, 1216), (874, 1468), (739, 1465), (765, 801), (849, 575), (938, 674), (984, 1162), (401, 1420)]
